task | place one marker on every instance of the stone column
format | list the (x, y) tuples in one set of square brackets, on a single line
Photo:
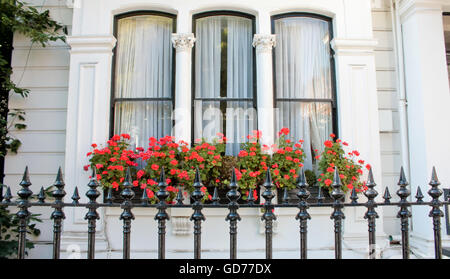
[(427, 91), (87, 122), (264, 44), (183, 44)]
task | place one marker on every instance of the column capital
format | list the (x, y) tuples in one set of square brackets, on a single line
[(183, 41), (408, 7), (264, 42), (91, 44)]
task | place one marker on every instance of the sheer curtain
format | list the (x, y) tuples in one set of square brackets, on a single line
[(302, 62), (208, 117), (144, 70), (241, 118), (229, 38)]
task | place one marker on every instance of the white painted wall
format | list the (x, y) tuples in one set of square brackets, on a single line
[(367, 96), (388, 95)]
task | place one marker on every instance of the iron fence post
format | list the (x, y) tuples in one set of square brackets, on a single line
[(337, 194), (92, 215), (23, 214), (268, 215), (162, 215), (436, 213), (303, 215), (127, 194), (197, 216), (371, 214), (233, 196), (58, 213), (404, 213)]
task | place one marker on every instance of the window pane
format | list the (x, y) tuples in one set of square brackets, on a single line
[(143, 119), (303, 70), (447, 41), (233, 118), (223, 69), (302, 58), (143, 70), (224, 57), (311, 122)]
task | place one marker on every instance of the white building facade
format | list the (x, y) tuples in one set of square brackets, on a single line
[(389, 89)]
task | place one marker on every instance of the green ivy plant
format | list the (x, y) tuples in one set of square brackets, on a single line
[(18, 18)]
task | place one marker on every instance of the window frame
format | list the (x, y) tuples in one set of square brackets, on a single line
[(197, 16), (115, 100), (447, 51), (333, 100)]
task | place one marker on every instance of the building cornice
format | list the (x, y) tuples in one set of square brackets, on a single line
[(406, 8), (91, 44)]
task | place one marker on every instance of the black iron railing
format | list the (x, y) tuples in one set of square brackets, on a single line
[(23, 203)]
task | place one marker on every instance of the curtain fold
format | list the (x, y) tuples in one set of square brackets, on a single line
[(302, 69), (221, 38), (144, 70)]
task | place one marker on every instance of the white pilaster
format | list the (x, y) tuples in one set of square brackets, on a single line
[(264, 86), (183, 44), (427, 90), (358, 123), (87, 122)]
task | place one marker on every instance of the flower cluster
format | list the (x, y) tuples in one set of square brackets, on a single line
[(180, 161), (112, 161), (165, 154), (349, 166), (254, 160)]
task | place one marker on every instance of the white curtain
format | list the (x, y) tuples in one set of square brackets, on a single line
[(240, 117), (302, 68), (242, 120), (144, 70), (208, 117)]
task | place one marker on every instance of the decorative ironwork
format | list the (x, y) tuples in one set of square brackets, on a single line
[(303, 215), (162, 215), (419, 195), (58, 214), (92, 216), (127, 194), (387, 196), (404, 214), (215, 197), (197, 216), (268, 215), (436, 212), (337, 194), (75, 196), (41, 196), (371, 214), (23, 204), (24, 194), (233, 196)]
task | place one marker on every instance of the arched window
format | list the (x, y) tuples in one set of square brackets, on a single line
[(304, 79), (143, 75), (224, 77)]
